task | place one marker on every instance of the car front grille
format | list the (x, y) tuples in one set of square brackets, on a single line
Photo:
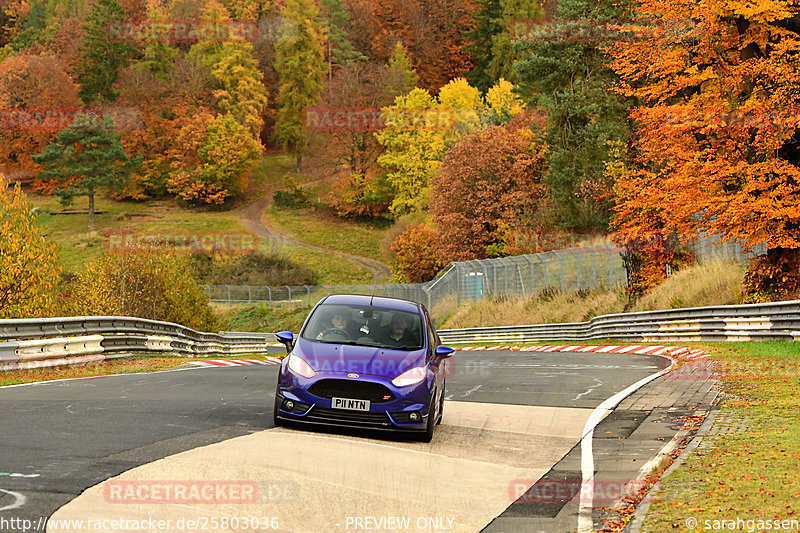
[(352, 389), (321, 414)]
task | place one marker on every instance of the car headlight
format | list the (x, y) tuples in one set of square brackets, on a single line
[(299, 366), (410, 377)]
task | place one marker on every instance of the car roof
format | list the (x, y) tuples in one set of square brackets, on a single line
[(374, 301)]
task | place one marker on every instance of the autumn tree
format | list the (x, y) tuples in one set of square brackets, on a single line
[(300, 63), (402, 75), (84, 159), (716, 143), (494, 177), (417, 256), (569, 77), (339, 49), (211, 159), (30, 87), (29, 270), (103, 53)]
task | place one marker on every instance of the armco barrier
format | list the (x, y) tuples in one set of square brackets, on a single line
[(755, 322), (37, 343), (33, 343)]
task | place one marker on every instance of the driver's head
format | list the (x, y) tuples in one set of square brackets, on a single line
[(339, 319), (398, 325)]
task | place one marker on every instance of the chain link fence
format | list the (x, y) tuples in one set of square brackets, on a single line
[(569, 270)]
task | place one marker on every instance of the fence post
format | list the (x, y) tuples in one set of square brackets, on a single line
[(269, 293), (611, 270), (289, 289), (249, 295), (578, 267), (309, 295), (561, 261), (594, 267), (229, 293)]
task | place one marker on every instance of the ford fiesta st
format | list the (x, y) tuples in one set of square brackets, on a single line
[(365, 362)]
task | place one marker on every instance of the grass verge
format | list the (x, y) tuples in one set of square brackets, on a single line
[(746, 469), (702, 285), (128, 365)]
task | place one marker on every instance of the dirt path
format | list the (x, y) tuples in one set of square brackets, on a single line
[(251, 218)]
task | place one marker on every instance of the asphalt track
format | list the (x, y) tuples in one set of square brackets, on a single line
[(509, 416)]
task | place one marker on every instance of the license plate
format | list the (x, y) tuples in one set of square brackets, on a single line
[(350, 405)]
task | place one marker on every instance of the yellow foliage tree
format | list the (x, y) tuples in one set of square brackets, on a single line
[(29, 270)]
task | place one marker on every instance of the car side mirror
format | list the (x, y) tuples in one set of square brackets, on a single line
[(444, 351), (286, 338)]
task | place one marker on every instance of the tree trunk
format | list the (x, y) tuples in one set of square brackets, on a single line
[(299, 161), (91, 208)]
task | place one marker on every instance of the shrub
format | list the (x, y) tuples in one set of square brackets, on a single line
[(29, 270), (146, 283), (295, 195)]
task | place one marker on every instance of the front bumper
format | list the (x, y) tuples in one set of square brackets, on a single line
[(393, 415)]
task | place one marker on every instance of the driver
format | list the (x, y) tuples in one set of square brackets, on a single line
[(339, 320)]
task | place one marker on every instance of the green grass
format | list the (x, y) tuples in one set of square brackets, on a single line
[(260, 319), (750, 471), (321, 228)]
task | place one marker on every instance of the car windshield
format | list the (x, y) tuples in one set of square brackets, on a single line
[(365, 326)]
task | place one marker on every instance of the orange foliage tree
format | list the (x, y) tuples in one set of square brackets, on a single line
[(29, 270), (489, 182), (416, 255), (31, 85), (717, 140)]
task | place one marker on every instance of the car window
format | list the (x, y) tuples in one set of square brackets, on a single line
[(365, 325)]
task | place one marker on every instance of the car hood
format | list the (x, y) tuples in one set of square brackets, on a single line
[(324, 357)]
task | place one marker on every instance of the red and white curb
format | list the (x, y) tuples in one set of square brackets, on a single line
[(234, 362), (678, 352)]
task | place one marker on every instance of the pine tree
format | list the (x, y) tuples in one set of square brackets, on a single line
[(570, 79), (488, 23), (103, 52), (85, 158), (340, 51), (402, 76), (300, 64)]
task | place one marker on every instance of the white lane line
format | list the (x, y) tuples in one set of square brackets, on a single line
[(585, 523), (19, 500)]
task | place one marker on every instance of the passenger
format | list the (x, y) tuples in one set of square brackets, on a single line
[(398, 334)]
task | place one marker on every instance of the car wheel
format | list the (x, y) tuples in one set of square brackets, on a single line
[(441, 409), (427, 435), (275, 420)]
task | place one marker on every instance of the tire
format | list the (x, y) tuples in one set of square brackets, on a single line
[(275, 420), (441, 408), (427, 435)]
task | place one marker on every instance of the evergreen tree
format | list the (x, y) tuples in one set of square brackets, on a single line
[(300, 64), (85, 158), (103, 53), (340, 50), (491, 40), (570, 79), (402, 77)]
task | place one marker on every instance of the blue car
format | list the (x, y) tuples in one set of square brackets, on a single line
[(364, 362)]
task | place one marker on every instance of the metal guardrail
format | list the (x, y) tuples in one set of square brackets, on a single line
[(37, 343), (34, 343), (770, 321)]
